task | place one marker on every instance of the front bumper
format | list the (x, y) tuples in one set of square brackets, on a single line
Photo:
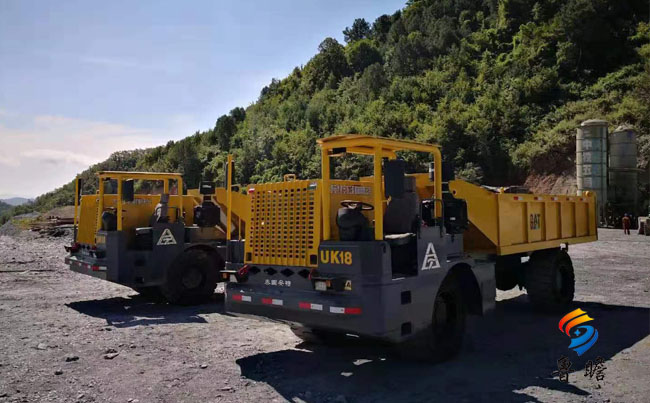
[(332, 311), (91, 267)]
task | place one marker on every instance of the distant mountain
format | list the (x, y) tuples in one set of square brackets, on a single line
[(16, 201)]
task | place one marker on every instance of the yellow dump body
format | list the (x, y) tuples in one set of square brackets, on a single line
[(508, 223)]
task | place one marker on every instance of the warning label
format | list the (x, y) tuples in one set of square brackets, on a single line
[(430, 259), (166, 238)]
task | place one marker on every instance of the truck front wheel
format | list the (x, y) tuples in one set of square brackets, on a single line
[(191, 278), (550, 281), (443, 339)]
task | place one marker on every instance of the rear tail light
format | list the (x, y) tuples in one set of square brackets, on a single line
[(73, 248)]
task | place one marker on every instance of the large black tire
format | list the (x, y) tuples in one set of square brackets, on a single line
[(506, 270), (191, 278), (550, 281), (443, 339)]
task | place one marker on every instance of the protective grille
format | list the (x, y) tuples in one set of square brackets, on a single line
[(285, 224)]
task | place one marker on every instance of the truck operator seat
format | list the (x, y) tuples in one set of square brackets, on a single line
[(401, 214), (207, 214), (161, 212), (400, 227)]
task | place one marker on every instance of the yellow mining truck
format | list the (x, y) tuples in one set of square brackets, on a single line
[(158, 240), (398, 256)]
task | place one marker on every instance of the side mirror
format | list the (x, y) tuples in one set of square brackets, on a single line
[(394, 178), (128, 192)]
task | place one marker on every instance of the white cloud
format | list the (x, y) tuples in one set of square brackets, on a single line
[(56, 157), (47, 151)]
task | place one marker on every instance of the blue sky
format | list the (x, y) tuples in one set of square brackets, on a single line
[(81, 79)]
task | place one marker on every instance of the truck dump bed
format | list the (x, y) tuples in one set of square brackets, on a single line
[(509, 223)]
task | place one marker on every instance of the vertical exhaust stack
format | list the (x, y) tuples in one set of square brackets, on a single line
[(591, 162)]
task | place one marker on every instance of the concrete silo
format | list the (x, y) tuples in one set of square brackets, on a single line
[(623, 192), (591, 161)]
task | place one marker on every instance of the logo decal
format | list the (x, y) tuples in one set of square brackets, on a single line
[(582, 337), (350, 190), (166, 238), (535, 220), (430, 259), (280, 283)]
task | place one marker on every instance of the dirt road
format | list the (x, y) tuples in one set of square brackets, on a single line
[(70, 338)]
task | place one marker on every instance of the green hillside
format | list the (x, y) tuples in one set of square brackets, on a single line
[(499, 84), (4, 207)]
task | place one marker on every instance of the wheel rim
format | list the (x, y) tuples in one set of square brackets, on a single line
[(192, 278)]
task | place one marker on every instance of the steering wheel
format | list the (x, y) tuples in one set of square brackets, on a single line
[(353, 204)]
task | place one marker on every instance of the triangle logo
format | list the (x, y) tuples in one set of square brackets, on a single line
[(430, 259), (166, 238)]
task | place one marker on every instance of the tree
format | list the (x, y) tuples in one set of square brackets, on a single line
[(381, 27), (372, 81), (224, 129), (238, 114), (361, 54), (360, 29), (327, 67)]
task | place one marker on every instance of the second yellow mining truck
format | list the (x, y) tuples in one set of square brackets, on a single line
[(143, 231), (398, 256)]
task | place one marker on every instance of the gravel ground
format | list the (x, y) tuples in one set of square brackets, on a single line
[(71, 338)]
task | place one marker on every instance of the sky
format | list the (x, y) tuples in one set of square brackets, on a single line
[(82, 79)]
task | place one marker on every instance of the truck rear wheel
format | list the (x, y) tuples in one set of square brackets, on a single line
[(191, 278), (550, 281), (444, 338)]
